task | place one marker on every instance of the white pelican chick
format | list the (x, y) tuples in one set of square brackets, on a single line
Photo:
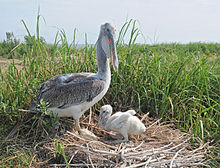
[(70, 95), (124, 123)]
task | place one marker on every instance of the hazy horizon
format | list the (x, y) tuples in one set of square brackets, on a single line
[(160, 21)]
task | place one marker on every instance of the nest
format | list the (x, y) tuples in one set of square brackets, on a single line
[(162, 145)]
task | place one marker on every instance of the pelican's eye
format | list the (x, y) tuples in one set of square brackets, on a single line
[(107, 30)]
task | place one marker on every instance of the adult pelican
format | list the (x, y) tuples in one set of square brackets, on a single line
[(70, 95)]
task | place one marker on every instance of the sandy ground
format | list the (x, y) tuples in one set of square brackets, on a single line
[(4, 63)]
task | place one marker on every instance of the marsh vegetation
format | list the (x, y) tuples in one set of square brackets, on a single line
[(179, 83)]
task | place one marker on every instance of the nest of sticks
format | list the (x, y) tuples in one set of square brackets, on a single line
[(162, 145)]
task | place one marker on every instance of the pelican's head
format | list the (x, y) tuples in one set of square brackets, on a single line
[(105, 113), (107, 37)]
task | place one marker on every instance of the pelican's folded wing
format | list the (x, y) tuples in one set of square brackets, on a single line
[(63, 91), (120, 120)]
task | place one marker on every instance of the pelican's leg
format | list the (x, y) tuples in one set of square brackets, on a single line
[(77, 125), (125, 135)]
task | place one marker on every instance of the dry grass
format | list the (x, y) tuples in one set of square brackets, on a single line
[(162, 145)]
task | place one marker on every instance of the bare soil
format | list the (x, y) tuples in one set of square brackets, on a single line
[(4, 63)]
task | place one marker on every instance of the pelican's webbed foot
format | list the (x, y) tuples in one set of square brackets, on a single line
[(87, 134)]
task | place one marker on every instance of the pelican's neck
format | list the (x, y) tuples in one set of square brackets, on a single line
[(104, 71)]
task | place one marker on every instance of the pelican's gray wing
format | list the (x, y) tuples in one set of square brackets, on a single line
[(66, 90)]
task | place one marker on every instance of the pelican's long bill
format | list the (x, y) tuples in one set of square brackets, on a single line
[(101, 120), (112, 47)]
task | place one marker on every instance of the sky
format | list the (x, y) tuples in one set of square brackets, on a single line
[(160, 21)]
